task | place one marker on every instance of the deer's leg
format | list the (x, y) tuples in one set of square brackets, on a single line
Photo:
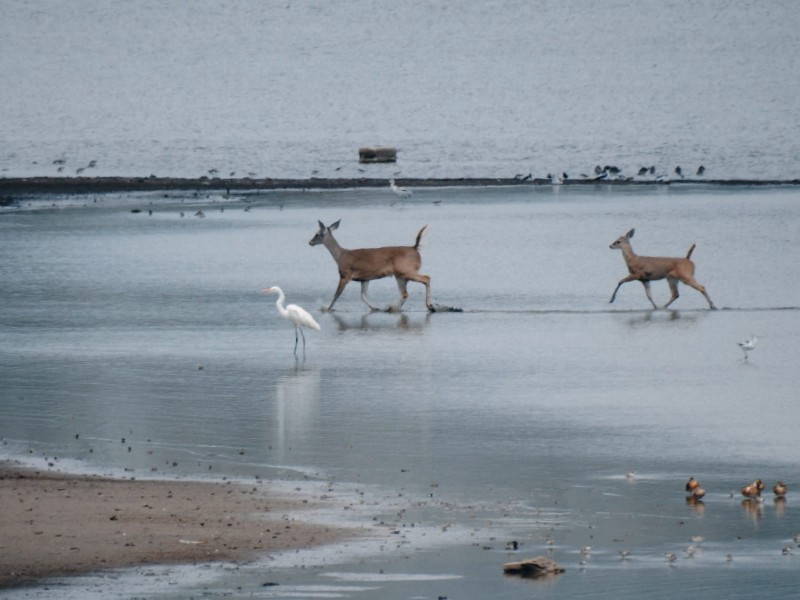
[(343, 281), (364, 288), (402, 286), (646, 285), (426, 281), (691, 282), (621, 281), (673, 287)]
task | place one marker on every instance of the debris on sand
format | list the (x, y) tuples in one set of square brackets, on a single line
[(533, 567)]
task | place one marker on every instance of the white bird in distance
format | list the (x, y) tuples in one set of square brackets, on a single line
[(748, 345), (400, 191)]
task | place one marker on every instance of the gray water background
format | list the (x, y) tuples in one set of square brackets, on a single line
[(292, 88), (516, 419)]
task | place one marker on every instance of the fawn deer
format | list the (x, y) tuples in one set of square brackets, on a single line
[(653, 268)]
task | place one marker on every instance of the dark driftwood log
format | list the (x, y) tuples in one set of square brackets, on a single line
[(533, 567), (377, 154)]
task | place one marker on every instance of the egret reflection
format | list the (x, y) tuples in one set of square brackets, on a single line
[(297, 395)]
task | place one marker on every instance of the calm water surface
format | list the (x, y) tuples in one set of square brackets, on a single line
[(517, 418), (292, 88)]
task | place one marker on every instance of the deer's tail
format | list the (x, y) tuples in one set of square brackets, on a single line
[(419, 237), (689, 253)]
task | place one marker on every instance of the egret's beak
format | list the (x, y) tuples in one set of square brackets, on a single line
[(266, 290)]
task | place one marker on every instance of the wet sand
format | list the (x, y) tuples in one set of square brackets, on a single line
[(56, 524)]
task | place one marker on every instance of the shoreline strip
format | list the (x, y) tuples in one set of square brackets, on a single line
[(56, 524), (92, 185)]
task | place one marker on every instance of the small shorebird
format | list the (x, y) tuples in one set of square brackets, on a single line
[(779, 489), (753, 490), (400, 191), (748, 345)]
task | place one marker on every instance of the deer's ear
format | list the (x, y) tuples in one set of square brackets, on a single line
[(334, 225), (321, 225), (629, 235)]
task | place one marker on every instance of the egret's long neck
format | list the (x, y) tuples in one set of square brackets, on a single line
[(279, 303)]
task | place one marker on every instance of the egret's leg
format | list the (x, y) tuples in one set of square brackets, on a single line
[(303, 335), (295, 338)]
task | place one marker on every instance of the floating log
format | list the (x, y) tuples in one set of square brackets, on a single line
[(377, 154), (533, 567)]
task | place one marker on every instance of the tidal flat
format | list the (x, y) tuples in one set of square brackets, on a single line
[(540, 414)]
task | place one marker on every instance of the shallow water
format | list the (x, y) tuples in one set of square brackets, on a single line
[(470, 89), (140, 344)]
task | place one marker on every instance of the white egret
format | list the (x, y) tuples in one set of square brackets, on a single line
[(294, 314), (748, 345)]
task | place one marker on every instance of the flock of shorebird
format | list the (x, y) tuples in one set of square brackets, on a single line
[(751, 490)]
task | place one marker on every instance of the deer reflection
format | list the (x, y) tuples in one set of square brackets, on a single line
[(381, 322), (645, 318)]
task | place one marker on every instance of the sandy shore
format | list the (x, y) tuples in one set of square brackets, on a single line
[(53, 524)]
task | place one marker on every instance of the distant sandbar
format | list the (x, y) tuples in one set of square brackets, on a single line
[(93, 185)]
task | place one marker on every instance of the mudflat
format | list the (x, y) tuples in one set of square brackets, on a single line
[(55, 524)]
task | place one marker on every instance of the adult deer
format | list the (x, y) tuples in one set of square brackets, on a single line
[(366, 264), (652, 268)]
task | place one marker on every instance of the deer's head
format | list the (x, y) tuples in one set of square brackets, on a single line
[(319, 237), (622, 240)]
